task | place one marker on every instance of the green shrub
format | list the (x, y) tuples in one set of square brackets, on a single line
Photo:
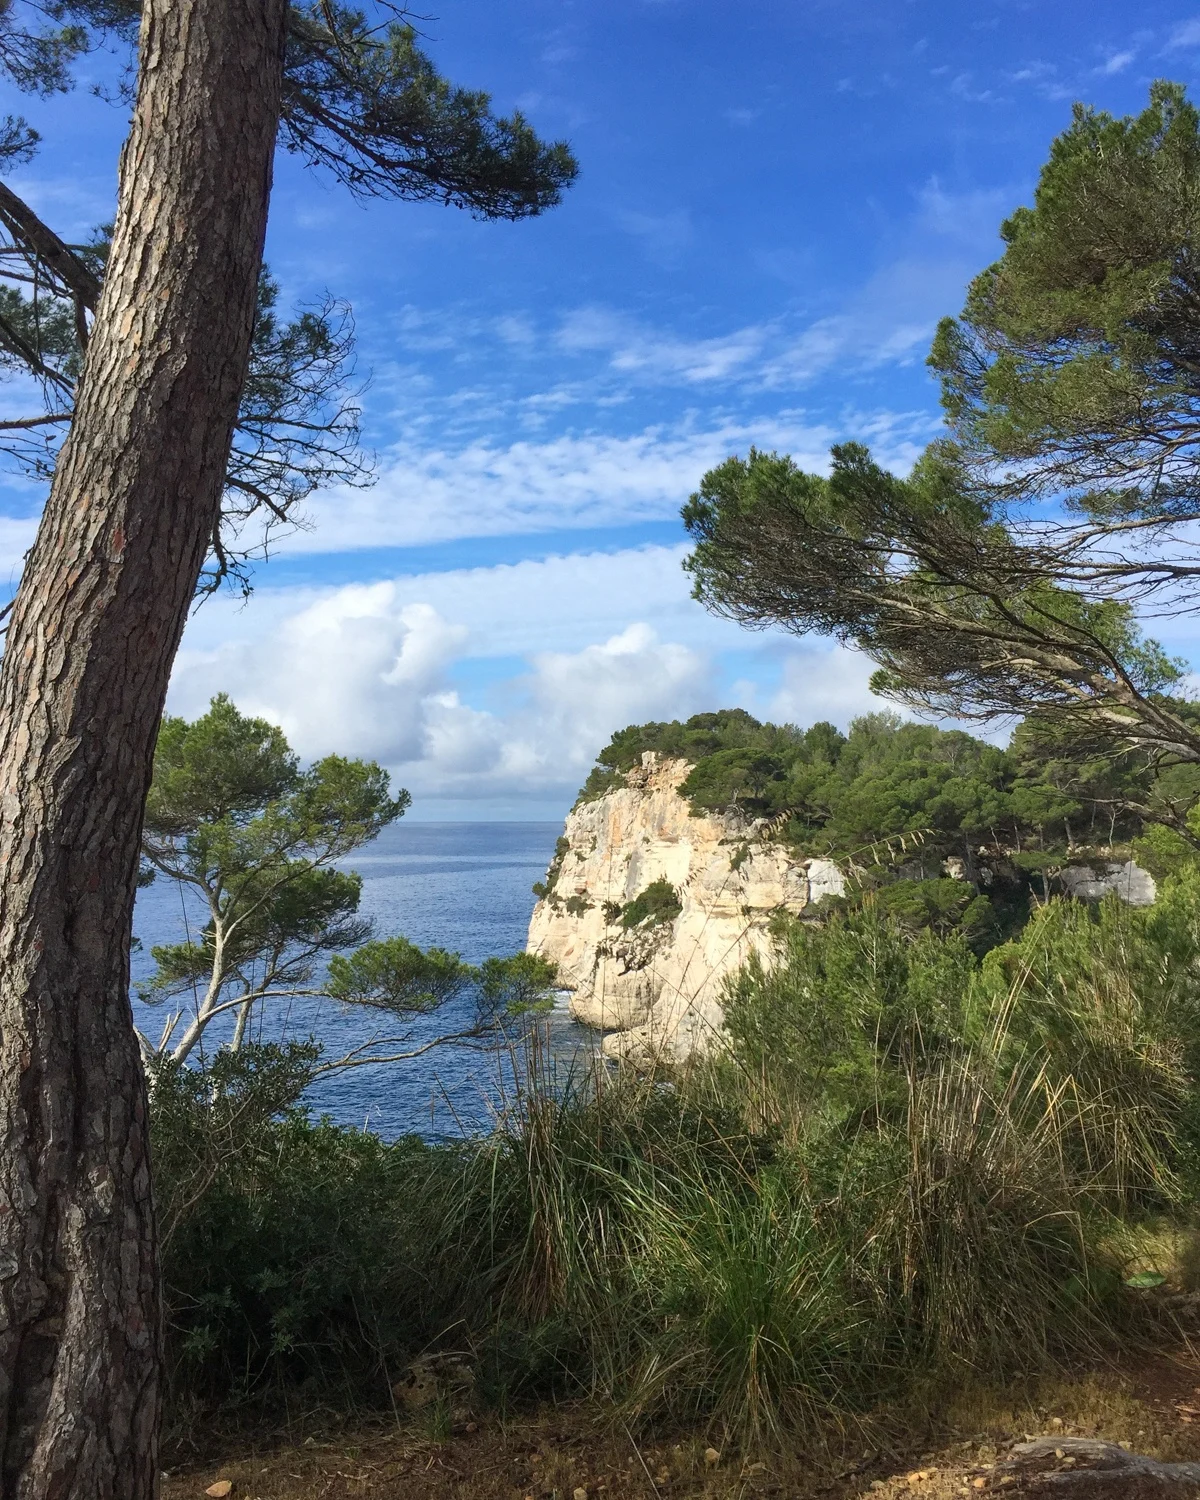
[(545, 888), (658, 903), (909, 1167), (292, 1250)]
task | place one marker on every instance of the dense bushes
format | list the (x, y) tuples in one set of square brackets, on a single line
[(909, 1166), (838, 794), (903, 806), (283, 1240)]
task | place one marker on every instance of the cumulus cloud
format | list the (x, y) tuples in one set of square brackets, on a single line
[(370, 669), (357, 674), (577, 699), (348, 672), (376, 670), (824, 684)]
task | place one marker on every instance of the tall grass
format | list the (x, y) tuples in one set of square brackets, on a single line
[(905, 1169), (705, 1273)]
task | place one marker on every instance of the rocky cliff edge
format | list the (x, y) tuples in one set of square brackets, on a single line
[(652, 977), (654, 985)]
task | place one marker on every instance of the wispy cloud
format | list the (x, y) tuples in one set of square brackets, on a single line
[(965, 87), (1044, 78), (75, 208), (889, 321), (664, 237), (461, 372), (636, 349), (489, 488), (1117, 63)]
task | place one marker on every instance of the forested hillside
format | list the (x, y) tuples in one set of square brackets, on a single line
[(833, 794), (904, 805)]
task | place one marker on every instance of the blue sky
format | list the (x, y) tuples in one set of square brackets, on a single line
[(776, 202)]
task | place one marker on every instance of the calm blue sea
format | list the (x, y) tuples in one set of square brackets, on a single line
[(462, 886)]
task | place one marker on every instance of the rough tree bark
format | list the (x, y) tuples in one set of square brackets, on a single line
[(92, 636)]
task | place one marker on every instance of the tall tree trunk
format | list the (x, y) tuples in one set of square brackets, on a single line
[(97, 621)]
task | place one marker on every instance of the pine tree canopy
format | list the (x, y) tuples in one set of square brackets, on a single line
[(1073, 370), (360, 101), (1009, 572)]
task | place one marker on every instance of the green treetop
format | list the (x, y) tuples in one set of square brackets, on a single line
[(1071, 371), (909, 810), (233, 817), (1009, 572), (834, 794)]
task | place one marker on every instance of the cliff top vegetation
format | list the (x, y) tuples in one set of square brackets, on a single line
[(834, 794)]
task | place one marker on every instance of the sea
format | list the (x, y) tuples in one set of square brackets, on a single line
[(461, 886)]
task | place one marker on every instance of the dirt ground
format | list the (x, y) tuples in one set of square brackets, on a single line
[(1152, 1405)]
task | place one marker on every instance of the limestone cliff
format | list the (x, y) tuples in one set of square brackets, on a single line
[(655, 986), (653, 982)]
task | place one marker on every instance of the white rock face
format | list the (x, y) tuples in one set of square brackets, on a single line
[(656, 988), (1130, 881)]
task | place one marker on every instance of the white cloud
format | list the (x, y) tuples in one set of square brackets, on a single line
[(370, 670), (362, 674), (824, 684), (579, 698), (16, 538), (635, 349), (1117, 63), (348, 671), (964, 86), (507, 610), (970, 219), (891, 319), (1045, 80), (664, 237), (1186, 34), (485, 488), (888, 321)]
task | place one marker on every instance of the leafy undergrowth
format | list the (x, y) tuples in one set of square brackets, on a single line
[(1150, 1402)]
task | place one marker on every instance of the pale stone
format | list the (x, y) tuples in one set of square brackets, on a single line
[(1133, 884), (657, 988)]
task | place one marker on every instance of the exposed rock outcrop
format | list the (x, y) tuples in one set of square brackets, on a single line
[(1129, 881), (653, 983), (655, 986)]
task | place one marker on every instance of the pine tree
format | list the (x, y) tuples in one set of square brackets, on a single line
[(1011, 571), (133, 507)]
